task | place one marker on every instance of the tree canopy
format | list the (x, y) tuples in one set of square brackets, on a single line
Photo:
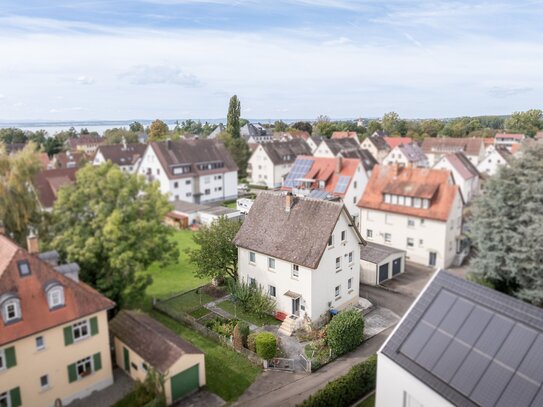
[(528, 122), (158, 131), (303, 126), (239, 150), (506, 229), (111, 223), (117, 135), (232, 119)]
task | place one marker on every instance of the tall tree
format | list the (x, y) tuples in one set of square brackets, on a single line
[(239, 150), (528, 122), (303, 126), (216, 256), (110, 222), (136, 127), (506, 229), (118, 135), (280, 125), (13, 135), (232, 119), (18, 205), (158, 131)]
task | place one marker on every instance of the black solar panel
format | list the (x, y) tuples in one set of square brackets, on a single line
[(489, 388), (516, 346), (474, 325), (532, 365), (457, 315), (494, 335), (416, 340), (450, 361), (470, 372), (519, 393), (439, 308), (433, 350)]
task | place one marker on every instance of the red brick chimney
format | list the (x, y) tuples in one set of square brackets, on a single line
[(288, 201), (32, 243), (395, 169), (339, 164)]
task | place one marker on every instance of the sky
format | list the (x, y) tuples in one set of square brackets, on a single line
[(288, 59)]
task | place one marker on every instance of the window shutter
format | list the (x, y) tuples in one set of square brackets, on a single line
[(72, 373), (11, 359), (15, 397), (97, 361), (94, 325), (68, 336)]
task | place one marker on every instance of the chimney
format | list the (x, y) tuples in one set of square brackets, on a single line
[(32, 243), (288, 201), (339, 163), (169, 144), (124, 143), (395, 169)]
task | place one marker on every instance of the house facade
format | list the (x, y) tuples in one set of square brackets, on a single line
[(305, 253), (377, 146), (407, 155), (197, 171), (464, 173), (437, 147), (499, 157), (126, 156), (418, 210), (331, 148), (54, 340), (87, 144), (507, 140)]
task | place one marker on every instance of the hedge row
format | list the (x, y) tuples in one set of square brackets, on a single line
[(345, 331), (347, 389)]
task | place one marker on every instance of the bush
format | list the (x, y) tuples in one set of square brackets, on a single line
[(347, 389), (221, 326), (266, 345), (240, 334), (252, 299), (345, 331), (251, 342)]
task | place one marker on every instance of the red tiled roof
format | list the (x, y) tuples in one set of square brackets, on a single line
[(48, 183), (44, 158), (396, 141), (514, 136), (404, 181), (344, 134), (488, 141), (445, 145), (462, 164), (80, 299), (515, 148)]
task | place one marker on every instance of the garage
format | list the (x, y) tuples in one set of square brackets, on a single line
[(379, 263), (185, 383)]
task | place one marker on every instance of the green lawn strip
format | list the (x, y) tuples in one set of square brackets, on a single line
[(369, 402), (188, 302), (232, 205), (199, 312), (236, 311), (228, 374), (127, 401)]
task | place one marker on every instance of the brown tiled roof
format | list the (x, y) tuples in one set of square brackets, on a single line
[(368, 161), (48, 183), (80, 299), (171, 153), (44, 159), (462, 164), (412, 152), (299, 236), (504, 153), (121, 155), (75, 158), (285, 152), (379, 142), (445, 145), (85, 140), (419, 182), (344, 134), (156, 344), (336, 145), (396, 141)]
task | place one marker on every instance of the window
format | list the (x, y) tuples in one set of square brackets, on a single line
[(44, 382), (4, 400), (350, 257), (411, 223), (388, 198), (187, 182), (395, 199), (271, 263), (134, 366), (83, 367), (354, 184), (176, 197), (369, 233), (388, 237), (252, 282), (157, 171), (354, 199), (55, 297), (417, 202), (410, 242), (295, 270), (252, 257), (207, 191), (176, 184), (40, 344), (188, 194), (11, 310), (338, 263), (401, 200), (80, 330), (144, 366), (425, 203), (421, 242), (2, 360), (206, 180), (331, 241), (408, 201), (338, 291), (343, 235), (24, 268), (349, 283), (271, 290)]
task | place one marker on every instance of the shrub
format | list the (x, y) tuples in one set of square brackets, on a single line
[(252, 299), (266, 345), (251, 342), (345, 331), (241, 293), (221, 326), (240, 334), (347, 389)]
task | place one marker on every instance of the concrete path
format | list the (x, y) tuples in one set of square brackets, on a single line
[(202, 398), (377, 320), (122, 385), (212, 306)]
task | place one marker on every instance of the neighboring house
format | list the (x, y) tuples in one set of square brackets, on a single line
[(377, 146), (499, 157), (314, 142), (336, 178), (345, 134), (54, 338), (221, 128), (396, 141), (198, 171), (255, 134), (331, 148), (14, 148), (45, 160), (418, 210), (126, 156), (68, 159), (305, 253), (271, 161), (407, 155), (463, 344), (437, 147), (47, 184), (464, 173), (291, 134), (85, 143), (141, 343), (379, 263), (186, 214), (508, 139)]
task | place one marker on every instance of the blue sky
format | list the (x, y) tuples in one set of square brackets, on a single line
[(107, 60)]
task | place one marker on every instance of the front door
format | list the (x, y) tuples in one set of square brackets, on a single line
[(433, 259), (296, 306)]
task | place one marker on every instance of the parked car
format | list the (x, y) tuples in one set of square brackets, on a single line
[(243, 187)]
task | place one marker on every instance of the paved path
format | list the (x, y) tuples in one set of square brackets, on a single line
[(201, 398), (212, 306), (122, 385)]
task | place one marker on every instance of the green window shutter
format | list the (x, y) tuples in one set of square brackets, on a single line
[(68, 335), (97, 361), (94, 325), (15, 397), (72, 373), (11, 359)]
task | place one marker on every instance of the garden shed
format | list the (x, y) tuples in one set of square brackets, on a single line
[(142, 343), (379, 263)]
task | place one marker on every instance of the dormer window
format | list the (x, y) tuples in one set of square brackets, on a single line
[(24, 268), (55, 296), (11, 310)]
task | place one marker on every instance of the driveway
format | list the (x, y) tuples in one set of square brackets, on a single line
[(122, 385)]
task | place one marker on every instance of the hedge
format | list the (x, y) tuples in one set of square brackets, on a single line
[(266, 345), (347, 389), (345, 331)]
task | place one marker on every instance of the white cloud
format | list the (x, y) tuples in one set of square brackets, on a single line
[(339, 41), (85, 80), (160, 74)]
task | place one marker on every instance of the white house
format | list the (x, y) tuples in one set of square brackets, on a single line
[(436, 147), (418, 210), (271, 162), (126, 156), (255, 133), (314, 142), (499, 157), (304, 252), (407, 155), (331, 148), (198, 171), (463, 344), (508, 139), (377, 146), (464, 173)]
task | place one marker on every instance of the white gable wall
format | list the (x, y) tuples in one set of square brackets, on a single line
[(491, 163), (470, 188), (323, 151), (355, 190)]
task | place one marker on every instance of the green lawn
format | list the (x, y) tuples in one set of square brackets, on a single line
[(230, 307), (228, 374), (232, 205), (188, 302), (369, 402)]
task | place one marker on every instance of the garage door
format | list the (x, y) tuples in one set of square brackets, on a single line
[(383, 272), (185, 382), (396, 266)]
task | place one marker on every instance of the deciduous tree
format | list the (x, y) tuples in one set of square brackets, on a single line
[(158, 131), (232, 119), (528, 122)]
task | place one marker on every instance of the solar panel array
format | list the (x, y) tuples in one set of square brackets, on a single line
[(488, 357), (298, 170), (342, 184), (318, 194)]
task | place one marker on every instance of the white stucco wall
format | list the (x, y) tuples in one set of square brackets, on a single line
[(491, 163), (261, 168), (369, 272), (396, 156), (355, 190), (470, 188), (323, 151)]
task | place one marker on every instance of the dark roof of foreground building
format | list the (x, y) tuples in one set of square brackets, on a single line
[(122, 155), (365, 157), (156, 344), (299, 236), (49, 182), (472, 345), (376, 253), (285, 152)]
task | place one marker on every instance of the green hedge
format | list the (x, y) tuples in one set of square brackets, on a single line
[(266, 345), (345, 331), (347, 389)]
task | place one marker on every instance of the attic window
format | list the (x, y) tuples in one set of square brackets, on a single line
[(11, 310), (24, 268), (55, 296)]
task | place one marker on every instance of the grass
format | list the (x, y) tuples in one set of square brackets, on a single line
[(232, 205), (228, 374), (199, 312), (369, 402), (127, 401), (188, 302), (230, 307)]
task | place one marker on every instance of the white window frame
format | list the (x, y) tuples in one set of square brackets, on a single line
[(343, 236), (351, 257), (55, 296), (369, 233), (295, 271), (388, 237), (388, 198), (417, 203), (12, 302), (80, 326), (3, 359), (394, 199), (350, 283), (271, 263), (252, 257), (46, 385), (274, 294), (83, 362), (38, 346), (338, 263), (410, 242), (5, 396), (408, 201), (337, 291), (410, 222), (331, 241), (425, 203)]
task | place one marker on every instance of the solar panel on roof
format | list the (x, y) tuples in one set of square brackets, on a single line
[(342, 184), (318, 194), (518, 393), (298, 170)]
